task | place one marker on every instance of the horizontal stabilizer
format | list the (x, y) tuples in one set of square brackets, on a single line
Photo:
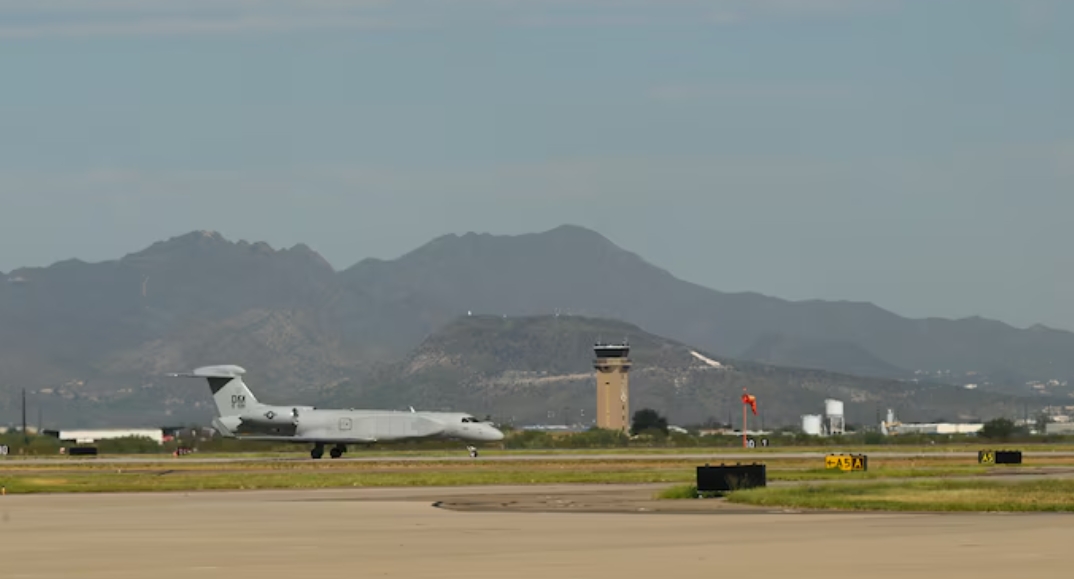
[(223, 371), (230, 393)]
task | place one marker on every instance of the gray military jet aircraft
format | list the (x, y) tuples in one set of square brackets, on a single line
[(243, 417)]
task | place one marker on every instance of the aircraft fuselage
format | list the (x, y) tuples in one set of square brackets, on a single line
[(306, 424)]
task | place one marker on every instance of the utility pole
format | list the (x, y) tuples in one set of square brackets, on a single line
[(743, 426), (25, 435), (743, 418)]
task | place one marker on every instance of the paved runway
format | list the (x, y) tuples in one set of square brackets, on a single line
[(397, 533), (715, 456)]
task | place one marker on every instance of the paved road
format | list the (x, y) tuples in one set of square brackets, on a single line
[(396, 533), (701, 457)]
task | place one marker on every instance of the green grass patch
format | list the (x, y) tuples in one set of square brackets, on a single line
[(194, 481), (776, 474), (175, 474), (324, 466), (678, 492), (951, 495), (786, 469)]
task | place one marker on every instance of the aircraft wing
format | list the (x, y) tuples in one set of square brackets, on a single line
[(313, 439)]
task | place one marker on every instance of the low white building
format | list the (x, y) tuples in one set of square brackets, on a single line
[(1059, 428), (89, 436), (935, 428)]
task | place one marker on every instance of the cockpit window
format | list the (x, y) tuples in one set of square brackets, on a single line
[(469, 419)]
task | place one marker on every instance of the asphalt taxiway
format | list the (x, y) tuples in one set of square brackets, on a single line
[(400, 533)]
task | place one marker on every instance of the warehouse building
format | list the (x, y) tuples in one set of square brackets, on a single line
[(90, 436), (941, 428)]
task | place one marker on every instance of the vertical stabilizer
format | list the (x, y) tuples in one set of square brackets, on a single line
[(230, 393)]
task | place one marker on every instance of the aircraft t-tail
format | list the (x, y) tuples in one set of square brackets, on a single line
[(242, 416)]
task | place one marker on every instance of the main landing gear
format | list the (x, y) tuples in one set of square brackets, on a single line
[(336, 452)]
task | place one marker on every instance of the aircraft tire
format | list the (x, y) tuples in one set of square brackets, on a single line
[(335, 453), (316, 453)]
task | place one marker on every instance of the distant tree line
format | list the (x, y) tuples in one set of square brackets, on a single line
[(648, 429)]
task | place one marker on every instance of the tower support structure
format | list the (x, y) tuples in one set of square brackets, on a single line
[(612, 363)]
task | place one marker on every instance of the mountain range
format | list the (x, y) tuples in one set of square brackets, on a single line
[(92, 340), (539, 369)]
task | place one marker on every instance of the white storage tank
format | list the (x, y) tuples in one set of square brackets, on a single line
[(811, 424), (833, 407)]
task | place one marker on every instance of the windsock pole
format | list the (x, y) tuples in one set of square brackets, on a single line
[(743, 419)]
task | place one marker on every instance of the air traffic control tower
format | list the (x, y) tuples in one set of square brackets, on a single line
[(613, 391)]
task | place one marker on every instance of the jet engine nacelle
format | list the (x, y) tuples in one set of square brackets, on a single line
[(276, 416)]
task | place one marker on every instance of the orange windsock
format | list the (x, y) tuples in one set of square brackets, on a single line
[(751, 400)]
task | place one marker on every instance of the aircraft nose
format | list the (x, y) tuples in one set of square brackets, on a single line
[(494, 433)]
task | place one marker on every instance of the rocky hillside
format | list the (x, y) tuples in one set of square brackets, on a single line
[(539, 369)]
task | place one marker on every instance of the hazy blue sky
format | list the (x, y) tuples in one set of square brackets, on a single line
[(919, 155)]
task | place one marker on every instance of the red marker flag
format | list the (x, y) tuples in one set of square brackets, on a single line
[(751, 400)]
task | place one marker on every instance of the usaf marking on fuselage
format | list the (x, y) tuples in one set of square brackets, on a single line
[(242, 416)]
